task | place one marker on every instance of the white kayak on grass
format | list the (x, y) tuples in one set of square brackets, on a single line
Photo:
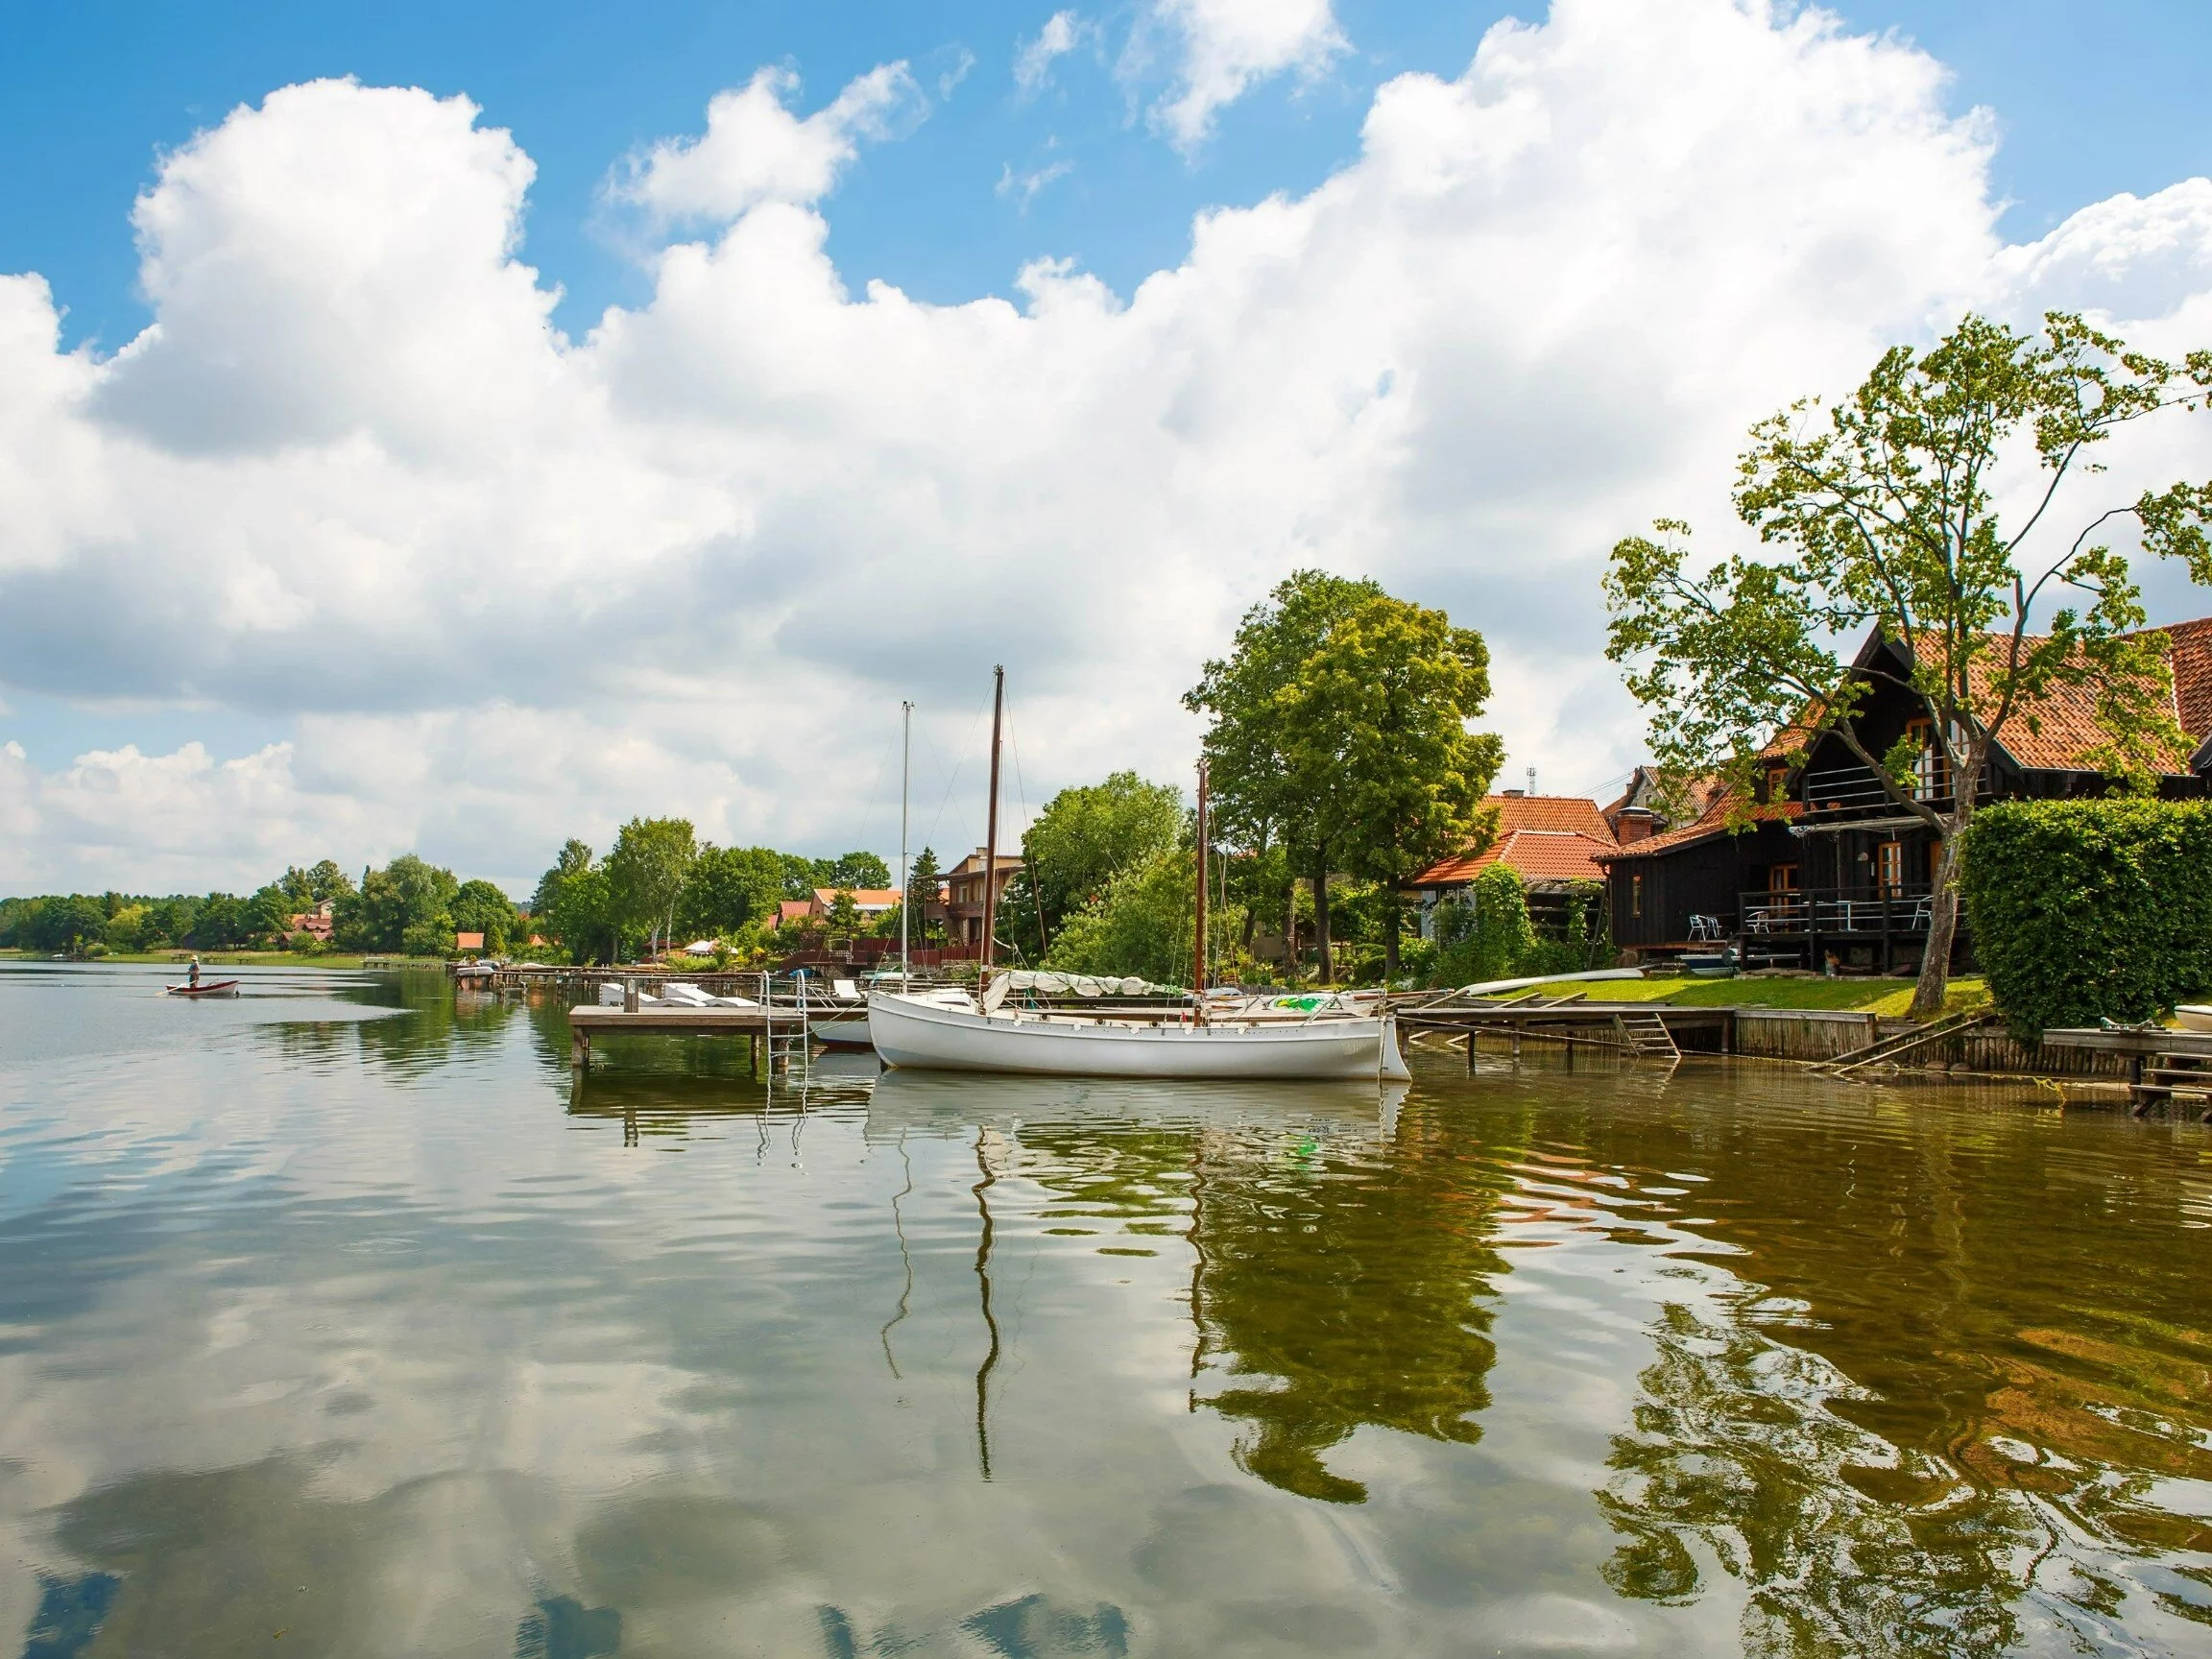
[(2194, 1016), (930, 1034)]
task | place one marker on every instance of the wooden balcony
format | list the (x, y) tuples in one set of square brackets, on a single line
[(1837, 913)]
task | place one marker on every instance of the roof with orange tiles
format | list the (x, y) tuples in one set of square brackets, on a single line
[(2193, 674), (2060, 731), (1545, 837), (1575, 812), (1534, 855), (863, 898)]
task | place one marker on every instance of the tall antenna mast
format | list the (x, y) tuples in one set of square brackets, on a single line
[(906, 875), (991, 819)]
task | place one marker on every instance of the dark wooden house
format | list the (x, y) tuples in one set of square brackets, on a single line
[(1831, 865)]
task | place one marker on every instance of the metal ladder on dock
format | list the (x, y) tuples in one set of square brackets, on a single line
[(1646, 1037)]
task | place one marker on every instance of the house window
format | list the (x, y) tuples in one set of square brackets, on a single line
[(1635, 895), (1889, 864), (1930, 771), (1782, 878), (1777, 784)]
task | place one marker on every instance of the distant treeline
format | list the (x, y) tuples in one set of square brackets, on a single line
[(659, 882), (408, 906)]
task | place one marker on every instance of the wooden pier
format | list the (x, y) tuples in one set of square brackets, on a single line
[(1639, 1030), (776, 1023), (2162, 1063)]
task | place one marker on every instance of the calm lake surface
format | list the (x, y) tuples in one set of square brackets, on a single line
[(335, 1320)]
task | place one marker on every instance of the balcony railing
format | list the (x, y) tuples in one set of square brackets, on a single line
[(1836, 910), (1857, 791)]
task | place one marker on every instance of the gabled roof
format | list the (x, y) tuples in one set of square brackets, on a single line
[(863, 898), (1711, 822), (2193, 674), (2060, 731), (1544, 837)]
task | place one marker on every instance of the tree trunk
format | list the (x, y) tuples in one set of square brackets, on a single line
[(1394, 920), (1291, 932), (1321, 920), (1942, 927)]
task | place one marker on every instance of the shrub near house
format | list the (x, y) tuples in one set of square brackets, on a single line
[(2085, 910)]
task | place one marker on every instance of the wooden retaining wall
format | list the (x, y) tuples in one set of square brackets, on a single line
[(1812, 1035)]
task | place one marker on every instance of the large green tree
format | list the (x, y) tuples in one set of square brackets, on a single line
[(1143, 923), (404, 906), (730, 888), (482, 907), (1885, 514), (1380, 710), (646, 870), (1087, 836), (1265, 793)]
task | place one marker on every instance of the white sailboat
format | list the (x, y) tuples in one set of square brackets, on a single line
[(933, 1034), (955, 1033)]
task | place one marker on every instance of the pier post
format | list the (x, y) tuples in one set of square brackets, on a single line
[(1470, 1050), (579, 1050)]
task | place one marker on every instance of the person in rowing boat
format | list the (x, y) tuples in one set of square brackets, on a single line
[(193, 978)]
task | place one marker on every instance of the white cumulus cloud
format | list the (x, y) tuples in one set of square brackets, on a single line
[(496, 585), (755, 150), (1221, 48)]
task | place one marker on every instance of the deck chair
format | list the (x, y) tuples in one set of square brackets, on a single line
[(1705, 930), (844, 990)]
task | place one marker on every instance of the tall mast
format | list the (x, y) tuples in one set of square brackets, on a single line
[(991, 819), (1199, 941), (906, 875)]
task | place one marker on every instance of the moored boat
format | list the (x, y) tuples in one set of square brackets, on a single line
[(2194, 1016), (931, 1034)]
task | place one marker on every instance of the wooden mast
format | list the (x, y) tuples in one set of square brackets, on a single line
[(991, 822), (1199, 939)]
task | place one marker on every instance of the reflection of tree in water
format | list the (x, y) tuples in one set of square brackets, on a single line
[(1950, 1430), (1355, 1287), (1737, 1449)]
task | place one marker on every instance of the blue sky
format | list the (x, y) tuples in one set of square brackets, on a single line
[(476, 591), (2092, 100)]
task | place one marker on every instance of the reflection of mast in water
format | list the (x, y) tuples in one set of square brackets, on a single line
[(898, 1226), (984, 1138)]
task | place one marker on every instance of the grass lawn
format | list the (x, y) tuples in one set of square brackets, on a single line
[(1887, 996)]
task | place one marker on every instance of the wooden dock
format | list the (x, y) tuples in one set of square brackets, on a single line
[(590, 1019), (1639, 1030), (2162, 1063)]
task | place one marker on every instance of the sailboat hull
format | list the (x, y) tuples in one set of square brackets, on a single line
[(912, 1033)]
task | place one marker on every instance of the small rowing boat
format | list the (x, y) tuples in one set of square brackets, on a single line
[(207, 988)]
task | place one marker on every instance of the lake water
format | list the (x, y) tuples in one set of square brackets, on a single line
[(337, 1320)]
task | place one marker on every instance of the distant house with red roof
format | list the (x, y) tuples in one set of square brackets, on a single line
[(1820, 860), (869, 902), (1553, 842)]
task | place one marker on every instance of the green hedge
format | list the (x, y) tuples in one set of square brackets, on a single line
[(2084, 910)]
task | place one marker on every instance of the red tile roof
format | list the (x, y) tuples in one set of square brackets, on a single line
[(2060, 731), (2193, 674), (1545, 837)]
